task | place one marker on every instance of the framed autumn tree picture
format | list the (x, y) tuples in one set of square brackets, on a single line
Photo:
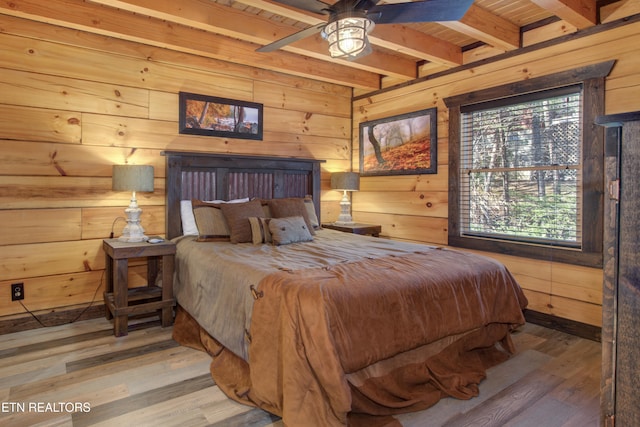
[(400, 145), (212, 116)]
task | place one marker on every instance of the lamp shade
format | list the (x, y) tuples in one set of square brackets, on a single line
[(132, 178), (349, 181)]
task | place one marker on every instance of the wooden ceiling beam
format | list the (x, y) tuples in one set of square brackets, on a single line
[(419, 45), (619, 10), (398, 38), (378, 62), (233, 22), (84, 16), (487, 27), (579, 13)]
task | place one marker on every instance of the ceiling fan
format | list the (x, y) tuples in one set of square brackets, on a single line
[(351, 20)]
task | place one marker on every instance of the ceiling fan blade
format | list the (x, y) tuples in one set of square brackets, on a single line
[(365, 4), (292, 38), (315, 6), (422, 11)]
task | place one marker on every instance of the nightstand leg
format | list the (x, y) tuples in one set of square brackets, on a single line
[(167, 289), (152, 270), (120, 296), (108, 284)]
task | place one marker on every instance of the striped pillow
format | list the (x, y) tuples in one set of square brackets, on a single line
[(211, 223), (260, 230)]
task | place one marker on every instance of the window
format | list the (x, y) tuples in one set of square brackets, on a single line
[(526, 168), (520, 169)]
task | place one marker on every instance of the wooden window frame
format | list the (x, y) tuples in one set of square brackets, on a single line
[(592, 79)]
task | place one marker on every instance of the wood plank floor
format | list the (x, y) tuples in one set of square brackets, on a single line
[(81, 375)]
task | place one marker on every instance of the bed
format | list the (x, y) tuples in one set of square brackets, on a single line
[(322, 327)]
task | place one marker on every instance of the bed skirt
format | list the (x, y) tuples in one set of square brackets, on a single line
[(411, 381)]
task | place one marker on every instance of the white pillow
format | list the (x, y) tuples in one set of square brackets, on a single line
[(189, 227)]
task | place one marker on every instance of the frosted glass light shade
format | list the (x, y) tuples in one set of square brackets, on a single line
[(347, 35)]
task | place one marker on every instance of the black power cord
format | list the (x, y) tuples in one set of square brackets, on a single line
[(93, 299), (114, 224), (75, 319)]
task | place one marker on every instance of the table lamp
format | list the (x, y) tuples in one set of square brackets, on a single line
[(345, 181), (132, 178)]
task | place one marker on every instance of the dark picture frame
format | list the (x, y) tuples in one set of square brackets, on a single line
[(222, 117), (405, 144)]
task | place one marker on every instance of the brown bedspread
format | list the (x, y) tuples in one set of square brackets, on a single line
[(315, 331)]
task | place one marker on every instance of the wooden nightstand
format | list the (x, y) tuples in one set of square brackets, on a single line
[(119, 300), (356, 228)]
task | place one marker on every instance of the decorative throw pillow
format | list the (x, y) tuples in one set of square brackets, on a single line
[(260, 230), (311, 213), (288, 207), (237, 216), (266, 208), (189, 226), (289, 230), (210, 221)]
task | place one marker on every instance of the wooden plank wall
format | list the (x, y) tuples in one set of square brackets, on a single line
[(416, 207), (73, 104)]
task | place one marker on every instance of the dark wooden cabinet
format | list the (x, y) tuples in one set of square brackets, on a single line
[(620, 390)]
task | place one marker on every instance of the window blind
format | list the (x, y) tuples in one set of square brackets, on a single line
[(521, 168)]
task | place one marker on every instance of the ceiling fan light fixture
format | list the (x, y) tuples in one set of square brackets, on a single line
[(347, 35)]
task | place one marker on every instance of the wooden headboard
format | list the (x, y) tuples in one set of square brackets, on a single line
[(224, 177)]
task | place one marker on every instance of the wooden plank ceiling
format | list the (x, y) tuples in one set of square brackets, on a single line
[(232, 30)]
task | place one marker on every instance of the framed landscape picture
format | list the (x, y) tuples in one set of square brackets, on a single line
[(212, 116), (400, 145)]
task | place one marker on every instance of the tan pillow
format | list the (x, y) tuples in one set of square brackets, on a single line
[(237, 216), (289, 230), (189, 227), (260, 230), (293, 206), (266, 209), (210, 221)]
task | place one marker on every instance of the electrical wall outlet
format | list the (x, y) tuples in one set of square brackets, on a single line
[(17, 291)]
